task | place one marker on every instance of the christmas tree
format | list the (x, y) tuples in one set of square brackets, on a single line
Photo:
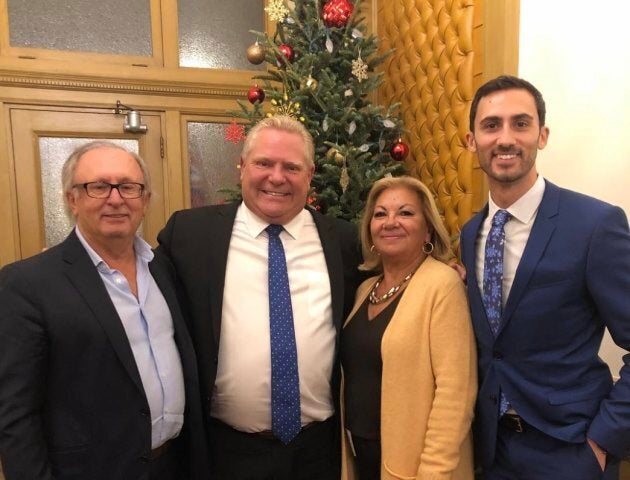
[(323, 71)]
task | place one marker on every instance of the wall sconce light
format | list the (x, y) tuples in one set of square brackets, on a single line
[(133, 119)]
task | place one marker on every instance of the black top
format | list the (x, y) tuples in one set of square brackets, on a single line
[(363, 368)]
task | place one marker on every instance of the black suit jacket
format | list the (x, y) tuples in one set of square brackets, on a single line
[(72, 405), (197, 242)]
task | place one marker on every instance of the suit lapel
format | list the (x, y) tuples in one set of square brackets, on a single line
[(539, 237), (469, 250), (83, 275), (334, 263), (222, 224), (470, 253)]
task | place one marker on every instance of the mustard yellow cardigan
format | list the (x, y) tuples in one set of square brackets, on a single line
[(429, 381)]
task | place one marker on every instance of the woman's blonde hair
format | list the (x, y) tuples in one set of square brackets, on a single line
[(439, 236)]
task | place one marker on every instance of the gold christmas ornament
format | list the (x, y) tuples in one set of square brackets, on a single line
[(334, 154), (256, 54), (286, 107), (344, 179), (359, 69), (310, 83), (276, 10)]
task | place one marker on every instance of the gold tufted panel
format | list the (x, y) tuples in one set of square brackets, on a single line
[(431, 75)]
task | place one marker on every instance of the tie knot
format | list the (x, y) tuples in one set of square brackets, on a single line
[(274, 230), (500, 218)]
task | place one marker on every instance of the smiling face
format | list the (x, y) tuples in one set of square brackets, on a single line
[(275, 176), (103, 220), (506, 138), (398, 227)]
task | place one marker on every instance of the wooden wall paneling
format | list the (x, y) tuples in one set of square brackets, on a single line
[(170, 32), (4, 27), (500, 38), (479, 181), (174, 167), (9, 240)]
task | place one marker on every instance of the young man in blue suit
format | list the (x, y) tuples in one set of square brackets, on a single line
[(548, 270)]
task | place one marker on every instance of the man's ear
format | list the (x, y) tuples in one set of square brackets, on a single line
[(543, 137), (471, 144), (72, 202), (242, 165), (146, 200)]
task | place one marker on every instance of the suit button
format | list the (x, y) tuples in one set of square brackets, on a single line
[(144, 459), (493, 398), (497, 355), (216, 360), (144, 413)]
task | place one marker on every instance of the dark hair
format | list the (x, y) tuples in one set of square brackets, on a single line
[(507, 82)]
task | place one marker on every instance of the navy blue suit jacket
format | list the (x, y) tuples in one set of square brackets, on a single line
[(572, 281)]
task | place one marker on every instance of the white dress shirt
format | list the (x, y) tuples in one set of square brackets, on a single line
[(517, 232), (242, 391), (149, 327)]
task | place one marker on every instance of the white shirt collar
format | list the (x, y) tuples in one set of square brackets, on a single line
[(255, 225), (525, 207)]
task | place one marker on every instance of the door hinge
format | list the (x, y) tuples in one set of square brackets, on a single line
[(161, 147)]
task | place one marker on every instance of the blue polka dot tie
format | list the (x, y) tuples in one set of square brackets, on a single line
[(493, 279), (285, 382)]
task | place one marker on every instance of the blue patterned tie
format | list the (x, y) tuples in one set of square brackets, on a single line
[(493, 279), (285, 382)]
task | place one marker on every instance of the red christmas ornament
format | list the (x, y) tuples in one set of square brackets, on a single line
[(336, 13), (287, 51), (399, 150), (256, 94)]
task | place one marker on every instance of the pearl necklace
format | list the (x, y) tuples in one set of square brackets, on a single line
[(375, 299)]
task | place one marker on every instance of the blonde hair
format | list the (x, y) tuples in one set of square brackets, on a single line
[(284, 123), (439, 236)]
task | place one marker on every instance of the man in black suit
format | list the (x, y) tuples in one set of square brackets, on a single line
[(221, 258), (98, 375)]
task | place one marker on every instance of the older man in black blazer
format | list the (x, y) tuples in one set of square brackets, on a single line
[(97, 370), (221, 257)]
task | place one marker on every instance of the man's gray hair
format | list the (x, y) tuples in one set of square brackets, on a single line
[(70, 166)]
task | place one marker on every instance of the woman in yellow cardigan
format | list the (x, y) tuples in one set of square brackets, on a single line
[(407, 348)]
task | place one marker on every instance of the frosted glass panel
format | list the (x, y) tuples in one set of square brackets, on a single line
[(112, 26), (213, 163), (215, 33), (53, 153)]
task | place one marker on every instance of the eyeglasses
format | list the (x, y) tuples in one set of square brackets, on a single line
[(103, 189)]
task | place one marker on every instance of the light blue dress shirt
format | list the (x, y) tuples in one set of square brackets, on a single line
[(149, 326)]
